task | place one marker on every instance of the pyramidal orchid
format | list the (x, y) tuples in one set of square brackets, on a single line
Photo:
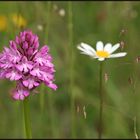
[(24, 63)]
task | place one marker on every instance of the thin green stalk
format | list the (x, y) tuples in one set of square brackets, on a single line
[(16, 28), (101, 101), (43, 87), (42, 98), (70, 30), (135, 80), (135, 128), (27, 121), (48, 19), (135, 118), (49, 99)]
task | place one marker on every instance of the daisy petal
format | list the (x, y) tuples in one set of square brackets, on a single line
[(108, 47), (101, 59), (114, 48), (99, 46), (86, 49), (86, 53), (118, 55)]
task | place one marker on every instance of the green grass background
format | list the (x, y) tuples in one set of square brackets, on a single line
[(92, 21)]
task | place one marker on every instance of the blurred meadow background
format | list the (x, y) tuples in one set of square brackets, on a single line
[(72, 111)]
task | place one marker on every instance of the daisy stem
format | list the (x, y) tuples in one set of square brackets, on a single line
[(27, 121), (70, 30), (101, 101)]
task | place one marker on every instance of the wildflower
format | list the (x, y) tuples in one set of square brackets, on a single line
[(40, 27), (19, 21), (102, 52), (3, 23), (24, 63), (62, 12)]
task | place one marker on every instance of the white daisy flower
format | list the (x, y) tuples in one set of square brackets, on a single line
[(102, 52)]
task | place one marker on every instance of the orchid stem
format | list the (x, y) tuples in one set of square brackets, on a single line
[(101, 101), (27, 124)]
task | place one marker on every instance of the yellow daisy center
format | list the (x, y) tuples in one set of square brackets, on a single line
[(103, 54)]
